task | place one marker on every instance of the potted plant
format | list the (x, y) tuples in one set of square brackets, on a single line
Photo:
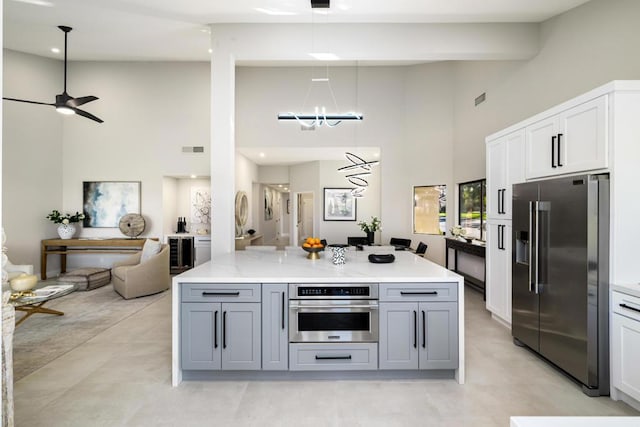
[(370, 227), (66, 227)]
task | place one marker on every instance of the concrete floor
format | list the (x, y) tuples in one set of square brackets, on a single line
[(122, 377)]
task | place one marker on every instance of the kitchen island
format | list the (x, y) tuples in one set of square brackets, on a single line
[(231, 315)]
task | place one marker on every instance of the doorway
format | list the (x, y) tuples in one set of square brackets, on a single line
[(303, 217)]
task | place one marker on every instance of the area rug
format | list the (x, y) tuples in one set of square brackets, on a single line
[(45, 337)]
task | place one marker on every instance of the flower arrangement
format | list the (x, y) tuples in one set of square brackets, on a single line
[(457, 231), (370, 227), (57, 218)]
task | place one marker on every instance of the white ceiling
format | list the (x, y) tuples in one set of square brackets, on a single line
[(178, 29)]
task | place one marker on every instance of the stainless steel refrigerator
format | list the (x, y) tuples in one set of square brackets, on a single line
[(560, 275)]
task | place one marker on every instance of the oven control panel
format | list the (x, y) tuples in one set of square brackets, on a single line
[(330, 291)]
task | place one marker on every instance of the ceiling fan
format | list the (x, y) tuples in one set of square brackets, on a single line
[(65, 103)]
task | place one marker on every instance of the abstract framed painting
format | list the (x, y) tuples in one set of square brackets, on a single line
[(105, 202), (339, 204)]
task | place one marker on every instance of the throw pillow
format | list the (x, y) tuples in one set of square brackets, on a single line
[(150, 248)]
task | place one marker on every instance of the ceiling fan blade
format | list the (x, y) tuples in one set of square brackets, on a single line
[(87, 115), (28, 102), (76, 102)]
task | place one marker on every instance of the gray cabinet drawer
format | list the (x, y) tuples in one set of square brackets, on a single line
[(333, 357), (418, 292), (220, 292)]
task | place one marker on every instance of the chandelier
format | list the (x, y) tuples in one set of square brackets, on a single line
[(358, 171), (320, 116)]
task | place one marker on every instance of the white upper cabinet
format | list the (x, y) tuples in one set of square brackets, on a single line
[(572, 141), (505, 167)]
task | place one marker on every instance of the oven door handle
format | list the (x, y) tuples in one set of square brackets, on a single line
[(313, 307)]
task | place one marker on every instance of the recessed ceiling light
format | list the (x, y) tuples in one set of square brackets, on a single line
[(193, 176), (55, 50), (261, 154), (286, 188), (320, 79), (210, 50), (273, 12), (324, 56), (205, 30)]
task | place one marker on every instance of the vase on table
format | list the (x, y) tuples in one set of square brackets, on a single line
[(370, 237), (66, 231)]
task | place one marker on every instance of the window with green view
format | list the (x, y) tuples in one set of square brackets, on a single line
[(472, 205)]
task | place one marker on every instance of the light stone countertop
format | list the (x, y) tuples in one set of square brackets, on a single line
[(628, 288), (293, 266), (575, 421)]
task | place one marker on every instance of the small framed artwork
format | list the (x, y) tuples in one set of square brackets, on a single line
[(339, 204), (105, 202)]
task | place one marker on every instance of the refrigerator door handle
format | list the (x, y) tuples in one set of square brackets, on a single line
[(536, 282), (531, 260)]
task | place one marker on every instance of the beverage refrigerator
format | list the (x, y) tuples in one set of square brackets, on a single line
[(560, 275)]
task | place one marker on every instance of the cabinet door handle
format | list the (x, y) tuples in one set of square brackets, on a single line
[(220, 294), (348, 357), (415, 329), (419, 293), (502, 238), (499, 233), (424, 329), (283, 311), (215, 329), (499, 198), (224, 329), (553, 151), (504, 190), (629, 307), (559, 150)]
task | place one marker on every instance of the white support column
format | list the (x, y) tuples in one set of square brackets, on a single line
[(222, 145)]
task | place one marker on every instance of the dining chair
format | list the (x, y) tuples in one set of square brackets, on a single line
[(421, 249), (400, 244)]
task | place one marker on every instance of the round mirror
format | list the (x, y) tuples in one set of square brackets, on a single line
[(242, 208)]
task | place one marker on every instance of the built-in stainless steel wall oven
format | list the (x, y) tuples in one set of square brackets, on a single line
[(335, 312)]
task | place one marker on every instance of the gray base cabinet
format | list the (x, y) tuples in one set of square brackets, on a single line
[(275, 336), (220, 334), (421, 333)]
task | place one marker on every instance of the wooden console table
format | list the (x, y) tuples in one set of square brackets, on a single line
[(471, 249), (64, 247)]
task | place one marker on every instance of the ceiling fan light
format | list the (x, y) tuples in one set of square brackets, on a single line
[(64, 110)]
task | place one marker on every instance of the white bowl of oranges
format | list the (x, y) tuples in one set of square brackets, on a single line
[(313, 245)]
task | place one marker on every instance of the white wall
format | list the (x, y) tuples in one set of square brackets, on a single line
[(169, 205), (32, 154), (150, 110)]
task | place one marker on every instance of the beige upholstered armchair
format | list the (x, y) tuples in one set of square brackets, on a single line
[(132, 278)]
